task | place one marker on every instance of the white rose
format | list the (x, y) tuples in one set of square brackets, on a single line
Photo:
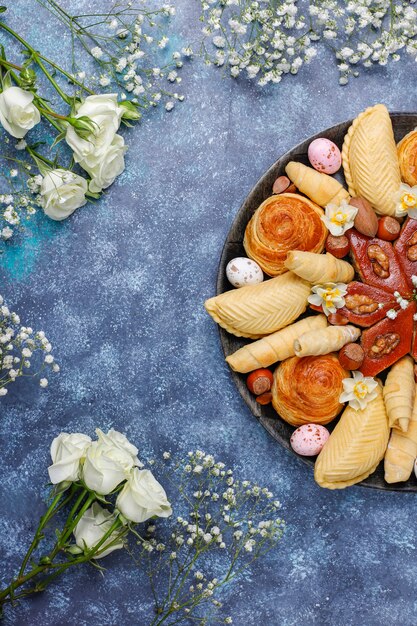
[(62, 193), (93, 525), (18, 114), (107, 464), (106, 114), (104, 172), (143, 497), (67, 453), (114, 437)]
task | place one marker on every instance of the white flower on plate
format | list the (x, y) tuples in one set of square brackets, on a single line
[(339, 218), (142, 497), (92, 527), (329, 296), (406, 198), (358, 390)]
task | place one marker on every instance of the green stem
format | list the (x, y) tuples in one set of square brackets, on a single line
[(8, 593), (66, 74), (36, 156), (71, 522), (36, 57), (38, 535)]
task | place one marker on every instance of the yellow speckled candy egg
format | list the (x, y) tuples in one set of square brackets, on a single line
[(242, 271), (324, 156)]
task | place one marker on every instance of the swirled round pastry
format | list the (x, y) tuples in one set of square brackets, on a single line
[(407, 157), (306, 390), (282, 223)]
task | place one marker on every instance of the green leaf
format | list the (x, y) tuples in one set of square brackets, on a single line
[(60, 487), (101, 498), (131, 111), (57, 139), (90, 194), (3, 9)]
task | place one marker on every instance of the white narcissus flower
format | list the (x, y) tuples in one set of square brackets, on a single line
[(62, 193), (142, 497), (358, 390), (108, 462), (112, 165), (18, 114), (339, 218), (407, 201), (91, 528), (67, 453), (329, 296)]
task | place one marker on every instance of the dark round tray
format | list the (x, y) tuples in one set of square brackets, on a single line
[(280, 430)]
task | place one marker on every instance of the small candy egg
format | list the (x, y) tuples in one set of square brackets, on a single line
[(242, 271), (309, 439), (324, 156)]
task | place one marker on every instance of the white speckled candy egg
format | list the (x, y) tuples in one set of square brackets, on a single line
[(309, 439), (242, 271), (324, 156)]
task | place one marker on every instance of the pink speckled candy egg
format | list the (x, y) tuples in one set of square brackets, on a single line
[(324, 156), (309, 439)]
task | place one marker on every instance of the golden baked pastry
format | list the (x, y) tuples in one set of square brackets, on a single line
[(399, 391), (401, 451), (321, 188), (273, 348), (319, 268), (306, 390), (407, 157), (370, 160), (355, 447), (258, 310), (325, 340), (283, 222)]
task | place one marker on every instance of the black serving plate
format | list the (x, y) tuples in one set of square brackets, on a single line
[(280, 430)]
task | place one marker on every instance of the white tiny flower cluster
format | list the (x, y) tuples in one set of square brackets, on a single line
[(20, 205), (20, 347), (223, 521), (261, 40), (129, 55), (265, 40)]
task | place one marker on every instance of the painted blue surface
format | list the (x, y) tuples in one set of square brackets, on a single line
[(119, 287)]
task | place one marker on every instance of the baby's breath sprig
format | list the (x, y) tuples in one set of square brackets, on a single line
[(265, 40), (131, 49), (261, 40), (366, 33), (22, 200), (223, 526), (23, 352)]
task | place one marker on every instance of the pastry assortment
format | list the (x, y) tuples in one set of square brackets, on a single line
[(331, 328)]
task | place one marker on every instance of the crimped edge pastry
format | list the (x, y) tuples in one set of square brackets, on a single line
[(258, 310), (383, 202)]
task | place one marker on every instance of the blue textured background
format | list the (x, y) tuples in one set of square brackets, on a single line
[(119, 288)]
